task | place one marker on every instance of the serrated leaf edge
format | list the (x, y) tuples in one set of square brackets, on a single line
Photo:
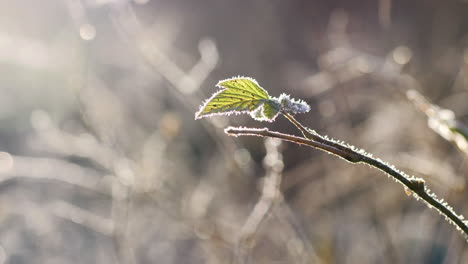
[(198, 114)]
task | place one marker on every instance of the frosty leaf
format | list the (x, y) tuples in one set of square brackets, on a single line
[(238, 95), (267, 112), (258, 114), (245, 95), (244, 85)]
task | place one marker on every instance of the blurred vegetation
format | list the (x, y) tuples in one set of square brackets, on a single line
[(101, 160)]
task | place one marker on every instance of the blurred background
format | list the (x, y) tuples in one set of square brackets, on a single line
[(101, 160)]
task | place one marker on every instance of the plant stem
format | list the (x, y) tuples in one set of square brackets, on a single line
[(416, 185), (314, 136)]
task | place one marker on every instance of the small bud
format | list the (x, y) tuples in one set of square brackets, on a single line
[(292, 106), (419, 184)]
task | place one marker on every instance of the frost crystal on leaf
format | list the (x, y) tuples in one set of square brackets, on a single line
[(267, 112), (241, 95), (292, 106), (237, 95), (244, 95)]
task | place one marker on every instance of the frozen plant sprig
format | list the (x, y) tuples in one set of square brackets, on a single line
[(292, 106), (245, 95)]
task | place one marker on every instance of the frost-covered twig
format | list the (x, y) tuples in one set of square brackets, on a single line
[(349, 153)]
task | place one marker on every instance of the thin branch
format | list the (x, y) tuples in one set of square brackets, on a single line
[(270, 194), (416, 185), (272, 200), (442, 121), (53, 170), (314, 136), (82, 217), (285, 214)]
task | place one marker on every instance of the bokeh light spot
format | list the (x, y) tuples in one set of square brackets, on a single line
[(87, 32), (402, 55), (362, 65), (242, 156)]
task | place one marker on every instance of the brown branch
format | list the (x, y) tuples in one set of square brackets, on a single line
[(416, 185), (314, 136)]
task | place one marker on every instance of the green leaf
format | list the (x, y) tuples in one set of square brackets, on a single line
[(240, 95), (271, 110), (267, 112)]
